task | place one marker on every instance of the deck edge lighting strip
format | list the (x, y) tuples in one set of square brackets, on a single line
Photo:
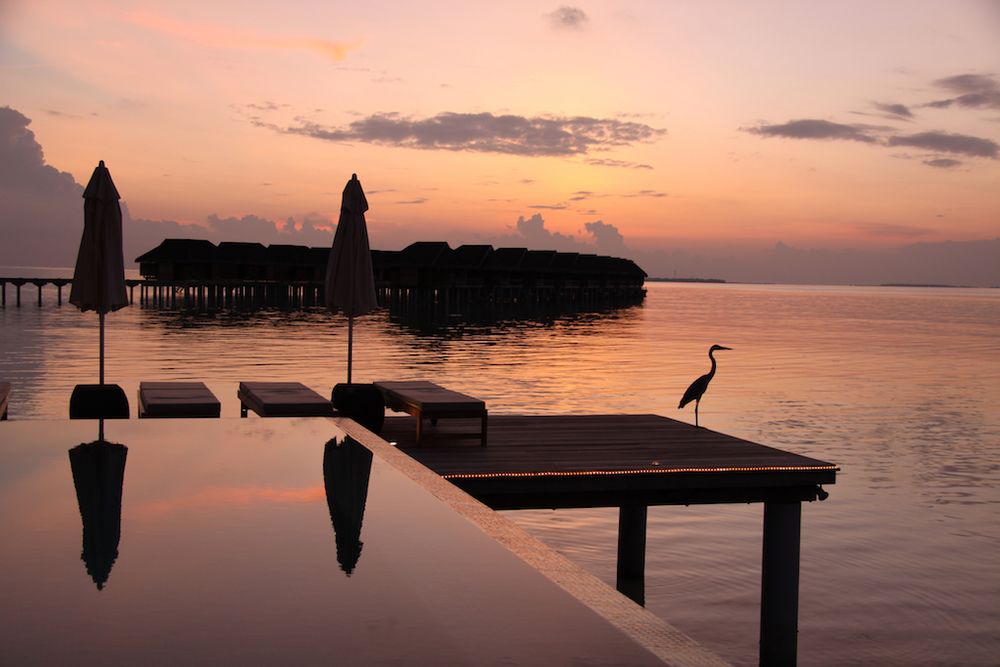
[(642, 471)]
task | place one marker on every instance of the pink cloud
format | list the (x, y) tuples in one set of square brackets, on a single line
[(224, 38)]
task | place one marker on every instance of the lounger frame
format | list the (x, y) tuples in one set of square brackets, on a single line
[(427, 400)]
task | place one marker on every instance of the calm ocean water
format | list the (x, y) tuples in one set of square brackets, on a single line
[(898, 386)]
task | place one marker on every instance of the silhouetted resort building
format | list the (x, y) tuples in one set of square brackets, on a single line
[(427, 275)]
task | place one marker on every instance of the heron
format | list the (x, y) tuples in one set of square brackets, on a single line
[(698, 387)]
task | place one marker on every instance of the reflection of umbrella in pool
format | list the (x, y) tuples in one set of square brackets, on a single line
[(99, 281), (346, 469), (99, 475), (350, 280)]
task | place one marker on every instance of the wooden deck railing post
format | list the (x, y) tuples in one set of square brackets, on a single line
[(779, 589), (632, 552)]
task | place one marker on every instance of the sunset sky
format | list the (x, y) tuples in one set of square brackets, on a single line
[(689, 136)]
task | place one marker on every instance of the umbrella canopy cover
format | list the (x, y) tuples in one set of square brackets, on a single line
[(350, 279), (99, 277)]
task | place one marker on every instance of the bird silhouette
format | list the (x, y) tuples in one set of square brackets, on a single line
[(698, 387)]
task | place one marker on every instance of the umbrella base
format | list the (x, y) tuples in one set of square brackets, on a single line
[(98, 401), (361, 402)]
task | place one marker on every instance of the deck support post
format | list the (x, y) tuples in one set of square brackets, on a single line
[(779, 590), (632, 552)]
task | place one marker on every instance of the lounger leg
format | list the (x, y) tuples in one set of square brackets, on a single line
[(243, 409), (420, 420), (483, 442)]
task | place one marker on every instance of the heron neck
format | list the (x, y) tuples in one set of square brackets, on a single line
[(711, 373)]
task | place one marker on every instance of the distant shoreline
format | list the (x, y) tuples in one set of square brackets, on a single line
[(685, 280), (923, 285), (740, 282)]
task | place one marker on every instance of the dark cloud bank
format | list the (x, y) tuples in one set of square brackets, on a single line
[(41, 219), (810, 128), (41, 223), (939, 142), (482, 133), (895, 111), (972, 91), (568, 17), (944, 142)]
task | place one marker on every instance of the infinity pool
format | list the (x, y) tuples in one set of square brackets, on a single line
[(259, 542)]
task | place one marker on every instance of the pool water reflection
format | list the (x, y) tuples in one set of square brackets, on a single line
[(347, 467), (215, 546), (98, 476)]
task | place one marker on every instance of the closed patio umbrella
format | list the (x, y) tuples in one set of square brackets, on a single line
[(99, 276), (350, 279)]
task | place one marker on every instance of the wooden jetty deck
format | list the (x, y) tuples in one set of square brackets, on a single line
[(632, 462), (609, 460)]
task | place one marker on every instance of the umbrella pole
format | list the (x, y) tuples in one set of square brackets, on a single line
[(102, 347), (350, 345)]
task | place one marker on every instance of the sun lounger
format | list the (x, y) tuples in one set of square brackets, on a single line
[(426, 400), (4, 396), (282, 399), (177, 399)]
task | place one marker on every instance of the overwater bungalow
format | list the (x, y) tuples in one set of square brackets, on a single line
[(179, 259), (424, 273)]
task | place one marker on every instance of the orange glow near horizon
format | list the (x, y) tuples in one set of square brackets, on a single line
[(627, 118)]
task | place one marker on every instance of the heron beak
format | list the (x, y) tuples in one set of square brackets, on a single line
[(724, 348)]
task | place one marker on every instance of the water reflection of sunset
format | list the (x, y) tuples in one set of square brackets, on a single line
[(216, 498)]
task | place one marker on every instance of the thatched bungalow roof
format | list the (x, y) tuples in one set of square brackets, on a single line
[(179, 250)]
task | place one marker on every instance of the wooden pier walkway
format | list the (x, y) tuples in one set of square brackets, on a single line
[(632, 462), (58, 283), (601, 460)]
